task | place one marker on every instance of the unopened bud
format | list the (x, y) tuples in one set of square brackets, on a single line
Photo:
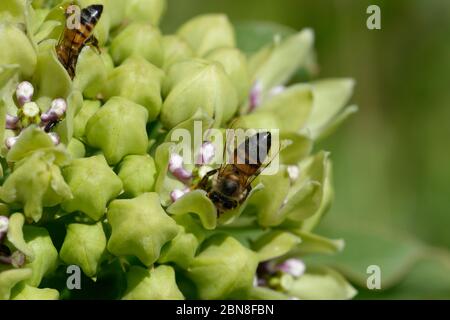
[(56, 111), (24, 92), (11, 122)]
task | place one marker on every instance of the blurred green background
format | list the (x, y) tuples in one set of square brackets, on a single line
[(391, 159)]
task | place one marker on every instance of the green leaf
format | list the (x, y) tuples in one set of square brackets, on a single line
[(156, 284), (138, 175), (84, 246), (93, 184), (140, 227)]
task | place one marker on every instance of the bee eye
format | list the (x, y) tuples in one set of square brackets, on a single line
[(229, 187)]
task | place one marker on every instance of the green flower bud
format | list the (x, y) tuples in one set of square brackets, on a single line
[(17, 50), (140, 227), (181, 250), (321, 283), (208, 89), (138, 175), (207, 32), (36, 182), (118, 129), (93, 185), (175, 50), (45, 255), (235, 65), (145, 10), (224, 270), (88, 109), (26, 292), (87, 79), (139, 81), (84, 246), (330, 97), (156, 284), (276, 65), (76, 149), (141, 39), (9, 279)]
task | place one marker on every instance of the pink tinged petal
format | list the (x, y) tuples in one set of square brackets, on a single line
[(175, 162), (207, 153), (176, 167), (55, 138), (11, 141), (11, 122), (24, 92), (255, 96), (294, 267), (176, 194), (4, 224), (276, 91)]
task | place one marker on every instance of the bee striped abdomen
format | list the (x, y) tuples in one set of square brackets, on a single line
[(75, 39)]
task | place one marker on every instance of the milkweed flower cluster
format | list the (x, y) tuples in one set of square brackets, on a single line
[(91, 178)]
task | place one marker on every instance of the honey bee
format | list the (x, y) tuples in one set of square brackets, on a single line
[(229, 186), (73, 40)]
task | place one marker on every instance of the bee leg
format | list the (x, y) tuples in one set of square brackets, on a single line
[(93, 43), (247, 192), (204, 182)]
